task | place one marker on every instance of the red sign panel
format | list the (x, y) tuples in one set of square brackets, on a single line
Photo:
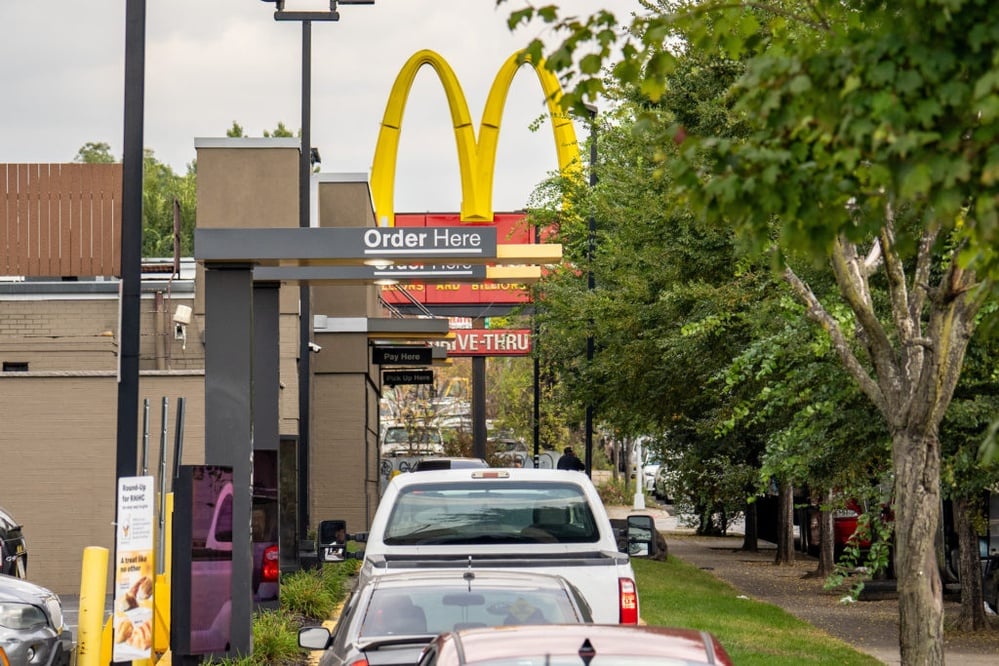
[(511, 228), (485, 342)]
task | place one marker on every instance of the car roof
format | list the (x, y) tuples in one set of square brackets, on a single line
[(492, 473), (690, 645)]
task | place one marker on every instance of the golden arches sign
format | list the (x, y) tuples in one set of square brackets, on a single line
[(476, 157)]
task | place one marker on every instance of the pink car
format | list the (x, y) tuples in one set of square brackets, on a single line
[(575, 645)]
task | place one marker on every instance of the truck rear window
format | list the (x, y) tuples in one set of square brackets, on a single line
[(485, 512)]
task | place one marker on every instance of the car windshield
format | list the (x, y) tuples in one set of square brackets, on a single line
[(483, 512), (442, 608)]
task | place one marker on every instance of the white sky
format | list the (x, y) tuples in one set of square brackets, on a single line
[(212, 62)]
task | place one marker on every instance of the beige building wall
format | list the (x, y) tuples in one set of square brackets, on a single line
[(59, 434), (59, 448), (343, 474), (79, 331), (253, 183)]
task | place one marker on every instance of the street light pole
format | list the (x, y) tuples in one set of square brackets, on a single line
[(126, 459), (590, 281), (304, 221)]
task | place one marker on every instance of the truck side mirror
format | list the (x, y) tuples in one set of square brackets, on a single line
[(641, 536), (332, 540)]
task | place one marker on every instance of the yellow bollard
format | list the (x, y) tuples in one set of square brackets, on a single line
[(161, 611), (93, 590)]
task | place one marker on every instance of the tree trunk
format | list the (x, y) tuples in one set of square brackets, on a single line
[(750, 541), (972, 616), (827, 542), (785, 525), (920, 593)]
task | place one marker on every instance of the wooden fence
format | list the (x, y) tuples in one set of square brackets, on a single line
[(60, 220)]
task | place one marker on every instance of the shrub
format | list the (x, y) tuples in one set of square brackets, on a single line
[(308, 596), (275, 638), (615, 492), (304, 593)]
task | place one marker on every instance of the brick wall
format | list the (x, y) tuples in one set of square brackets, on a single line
[(81, 334), (60, 455)]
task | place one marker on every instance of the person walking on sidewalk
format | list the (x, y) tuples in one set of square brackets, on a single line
[(570, 461)]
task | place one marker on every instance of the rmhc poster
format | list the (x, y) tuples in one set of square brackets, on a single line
[(133, 580)]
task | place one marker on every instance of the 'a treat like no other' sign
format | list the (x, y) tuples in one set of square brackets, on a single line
[(133, 581)]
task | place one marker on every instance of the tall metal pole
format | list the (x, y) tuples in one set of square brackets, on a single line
[(304, 293), (126, 459), (590, 281), (131, 238), (536, 421), (304, 221)]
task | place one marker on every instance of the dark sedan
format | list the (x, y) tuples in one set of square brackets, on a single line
[(576, 645), (13, 549), (392, 618)]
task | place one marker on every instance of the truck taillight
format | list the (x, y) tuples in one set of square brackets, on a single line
[(628, 595), (271, 567)]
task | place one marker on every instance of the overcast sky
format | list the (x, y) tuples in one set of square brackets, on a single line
[(212, 62)]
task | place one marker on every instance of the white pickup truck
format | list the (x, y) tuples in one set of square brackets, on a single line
[(524, 519)]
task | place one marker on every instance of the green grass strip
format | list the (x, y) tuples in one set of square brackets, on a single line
[(674, 593)]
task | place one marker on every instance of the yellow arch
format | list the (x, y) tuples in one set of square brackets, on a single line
[(476, 158)]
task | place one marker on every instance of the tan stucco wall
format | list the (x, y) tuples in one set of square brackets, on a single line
[(343, 473)]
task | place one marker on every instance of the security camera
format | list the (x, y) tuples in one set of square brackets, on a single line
[(182, 315), (314, 348)]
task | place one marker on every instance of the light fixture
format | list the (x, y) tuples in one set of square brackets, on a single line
[(385, 282), (379, 263)]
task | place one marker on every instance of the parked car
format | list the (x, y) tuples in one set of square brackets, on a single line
[(13, 549), (449, 463), (649, 471), (404, 441), (575, 645), (32, 630), (393, 617), (662, 488)]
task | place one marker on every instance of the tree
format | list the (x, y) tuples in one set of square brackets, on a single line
[(670, 307), (967, 479), (165, 197), (280, 131), (95, 152), (871, 144)]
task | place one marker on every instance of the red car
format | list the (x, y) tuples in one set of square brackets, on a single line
[(575, 645)]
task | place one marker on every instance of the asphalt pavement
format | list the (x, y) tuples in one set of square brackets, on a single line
[(870, 626)]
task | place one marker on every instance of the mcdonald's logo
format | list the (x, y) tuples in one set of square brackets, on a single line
[(476, 156)]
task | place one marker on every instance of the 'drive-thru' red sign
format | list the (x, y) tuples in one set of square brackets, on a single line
[(483, 342)]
